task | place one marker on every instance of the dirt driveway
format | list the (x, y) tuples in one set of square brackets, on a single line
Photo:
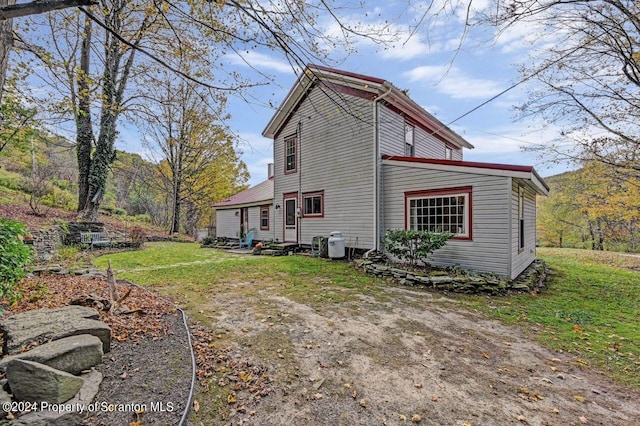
[(412, 356)]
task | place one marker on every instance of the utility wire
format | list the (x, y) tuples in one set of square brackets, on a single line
[(513, 86)]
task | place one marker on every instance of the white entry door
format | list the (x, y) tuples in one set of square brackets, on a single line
[(290, 220)]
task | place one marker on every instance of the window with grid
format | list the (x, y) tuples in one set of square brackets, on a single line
[(290, 146), (440, 213)]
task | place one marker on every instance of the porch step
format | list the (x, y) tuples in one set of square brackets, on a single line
[(284, 246), (269, 252)]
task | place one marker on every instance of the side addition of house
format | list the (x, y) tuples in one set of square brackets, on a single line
[(353, 153)]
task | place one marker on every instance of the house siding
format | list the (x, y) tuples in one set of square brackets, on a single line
[(391, 125), (489, 248), (228, 224), (335, 155), (521, 259)]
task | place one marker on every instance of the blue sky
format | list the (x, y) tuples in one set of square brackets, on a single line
[(445, 80)]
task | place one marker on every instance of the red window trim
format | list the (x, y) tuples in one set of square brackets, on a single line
[(294, 170), (263, 208), (312, 194), (443, 191)]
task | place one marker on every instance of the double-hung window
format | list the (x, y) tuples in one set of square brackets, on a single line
[(446, 210), (264, 218), (313, 203), (409, 140), (290, 154)]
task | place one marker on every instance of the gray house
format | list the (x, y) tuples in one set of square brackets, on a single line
[(249, 210), (355, 154)]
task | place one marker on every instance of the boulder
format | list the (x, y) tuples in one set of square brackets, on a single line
[(72, 354), (75, 408), (35, 327), (35, 382)]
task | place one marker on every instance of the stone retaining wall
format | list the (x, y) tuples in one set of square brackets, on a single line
[(46, 243), (532, 279)]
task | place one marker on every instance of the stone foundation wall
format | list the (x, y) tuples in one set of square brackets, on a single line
[(532, 279)]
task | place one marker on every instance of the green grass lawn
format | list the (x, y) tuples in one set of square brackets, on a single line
[(591, 307)]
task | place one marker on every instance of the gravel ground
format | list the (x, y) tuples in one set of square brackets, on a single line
[(153, 375)]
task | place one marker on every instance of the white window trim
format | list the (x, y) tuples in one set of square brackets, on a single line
[(467, 222)]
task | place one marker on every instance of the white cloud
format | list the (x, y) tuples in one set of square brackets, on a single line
[(453, 82), (260, 61)]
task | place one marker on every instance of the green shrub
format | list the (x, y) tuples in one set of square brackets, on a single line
[(14, 256), (413, 246)]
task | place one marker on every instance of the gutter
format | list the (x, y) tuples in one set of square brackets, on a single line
[(376, 168)]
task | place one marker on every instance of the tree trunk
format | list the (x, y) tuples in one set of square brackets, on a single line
[(84, 135), (177, 188), (104, 153), (6, 44)]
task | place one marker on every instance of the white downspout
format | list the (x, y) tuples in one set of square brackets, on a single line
[(376, 171)]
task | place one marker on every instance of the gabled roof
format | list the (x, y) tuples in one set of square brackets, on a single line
[(261, 193), (373, 86), (527, 173)]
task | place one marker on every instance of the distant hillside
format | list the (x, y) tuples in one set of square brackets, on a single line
[(594, 207)]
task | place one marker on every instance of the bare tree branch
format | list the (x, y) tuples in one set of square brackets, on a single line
[(42, 6)]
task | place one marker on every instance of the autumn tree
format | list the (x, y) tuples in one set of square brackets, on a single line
[(198, 156), (595, 207)]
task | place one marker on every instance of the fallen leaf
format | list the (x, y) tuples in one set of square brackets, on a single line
[(196, 405), (10, 416), (544, 379), (583, 419), (347, 385), (418, 385), (434, 398), (403, 417), (354, 395), (232, 398), (486, 355), (579, 398), (363, 403), (416, 418), (555, 410), (318, 396), (523, 419)]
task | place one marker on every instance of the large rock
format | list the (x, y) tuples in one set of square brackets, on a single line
[(71, 354), (36, 327), (35, 382), (71, 412)]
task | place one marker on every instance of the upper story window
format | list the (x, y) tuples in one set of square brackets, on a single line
[(448, 152), (409, 140), (290, 154)]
